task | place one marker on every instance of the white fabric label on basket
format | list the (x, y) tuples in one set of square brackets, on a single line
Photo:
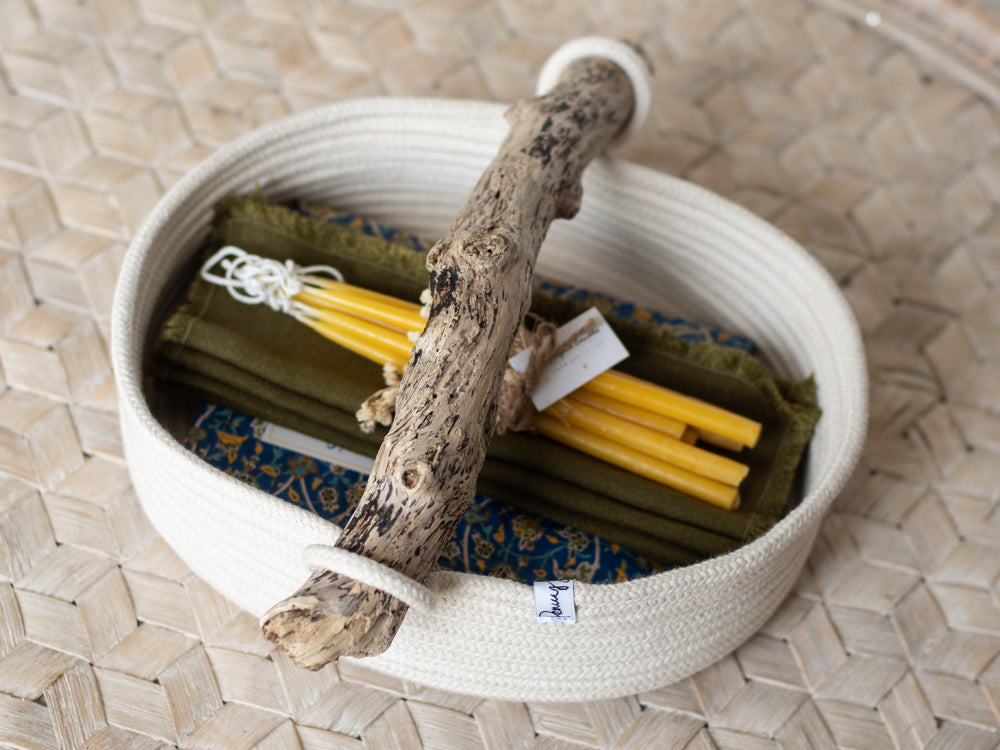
[(296, 441), (554, 602), (587, 357)]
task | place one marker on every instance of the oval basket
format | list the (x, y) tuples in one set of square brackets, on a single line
[(640, 235)]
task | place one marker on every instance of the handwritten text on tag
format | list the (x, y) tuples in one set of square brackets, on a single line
[(554, 601)]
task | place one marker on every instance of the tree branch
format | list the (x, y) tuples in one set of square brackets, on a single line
[(425, 473)]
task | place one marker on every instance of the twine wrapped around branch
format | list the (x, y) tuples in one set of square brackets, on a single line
[(516, 411)]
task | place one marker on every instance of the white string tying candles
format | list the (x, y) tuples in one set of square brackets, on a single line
[(253, 279)]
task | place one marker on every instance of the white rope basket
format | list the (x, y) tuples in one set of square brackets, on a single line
[(640, 235)]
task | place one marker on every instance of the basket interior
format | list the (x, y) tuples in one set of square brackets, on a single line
[(642, 236)]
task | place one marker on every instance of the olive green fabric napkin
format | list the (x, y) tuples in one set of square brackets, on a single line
[(266, 363)]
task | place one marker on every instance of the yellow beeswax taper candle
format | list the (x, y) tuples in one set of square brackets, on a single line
[(692, 411), (363, 303), (709, 490), (637, 414), (367, 339), (655, 444)]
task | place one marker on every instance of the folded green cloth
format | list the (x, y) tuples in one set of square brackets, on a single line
[(267, 364)]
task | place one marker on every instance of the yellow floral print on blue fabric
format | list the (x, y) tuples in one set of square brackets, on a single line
[(490, 538)]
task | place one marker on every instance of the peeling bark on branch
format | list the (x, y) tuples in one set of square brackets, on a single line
[(480, 277)]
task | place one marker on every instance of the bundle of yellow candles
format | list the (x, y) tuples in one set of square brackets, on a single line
[(639, 426), (631, 423)]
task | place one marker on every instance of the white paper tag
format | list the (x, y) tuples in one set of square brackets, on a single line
[(587, 357), (554, 601), (296, 441)]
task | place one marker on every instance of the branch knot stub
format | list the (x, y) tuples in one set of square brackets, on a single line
[(412, 475)]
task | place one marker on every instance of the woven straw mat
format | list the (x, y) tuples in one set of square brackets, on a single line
[(869, 132)]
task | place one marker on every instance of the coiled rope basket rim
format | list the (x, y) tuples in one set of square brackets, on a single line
[(641, 235)]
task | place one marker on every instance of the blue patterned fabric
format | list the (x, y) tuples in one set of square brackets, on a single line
[(491, 539), (683, 329)]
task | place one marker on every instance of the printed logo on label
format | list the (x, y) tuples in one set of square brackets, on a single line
[(554, 601)]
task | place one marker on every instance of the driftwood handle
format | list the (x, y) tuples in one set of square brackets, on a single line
[(480, 275)]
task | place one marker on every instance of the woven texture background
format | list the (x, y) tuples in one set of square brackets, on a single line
[(869, 132)]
